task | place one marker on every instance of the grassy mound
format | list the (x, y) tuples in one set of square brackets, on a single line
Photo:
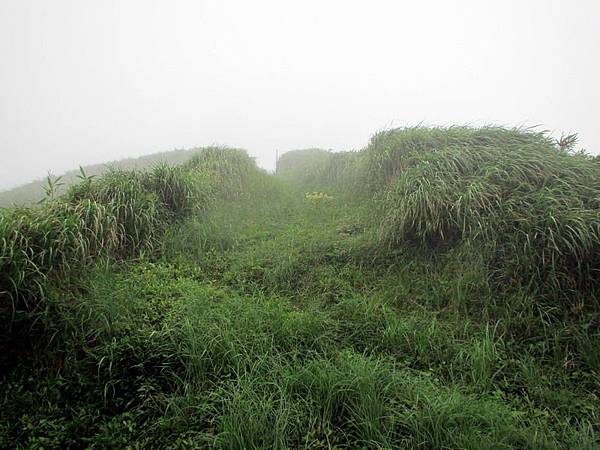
[(221, 307), (229, 168), (320, 169), (532, 206), (117, 215), (30, 193), (302, 166), (529, 203)]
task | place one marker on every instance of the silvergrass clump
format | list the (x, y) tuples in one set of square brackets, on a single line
[(116, 215), (303, 166), (319, 169), (137, 210), (343, 170), (390, 152), (180, 190), (55, 239), (531, 204), (228, 168), (28, 194)]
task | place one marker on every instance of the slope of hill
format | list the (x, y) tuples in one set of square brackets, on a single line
[(32, 192), (439, 290), (302, 166)]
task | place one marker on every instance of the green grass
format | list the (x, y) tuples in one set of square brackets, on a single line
[(30, 193), (529, 203), (261, 319)]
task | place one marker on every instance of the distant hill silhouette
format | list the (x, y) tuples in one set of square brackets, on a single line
[(32, 192)]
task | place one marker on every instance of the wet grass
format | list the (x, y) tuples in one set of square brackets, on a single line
[(275, 328), (270, 320)]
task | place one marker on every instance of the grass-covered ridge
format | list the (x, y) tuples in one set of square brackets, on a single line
[(119, 215), (526, 201), (533, 204), (315, 167), (30, 193), (262, 317)]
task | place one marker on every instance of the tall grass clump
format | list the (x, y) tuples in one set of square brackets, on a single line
[(342, 172), (228, 168), (303, 166), (30, 193), (117, 215), (180, 190), (125, 195), (320, 169), (531, 204)]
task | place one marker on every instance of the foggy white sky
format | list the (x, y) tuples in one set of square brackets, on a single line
[(90, 81)]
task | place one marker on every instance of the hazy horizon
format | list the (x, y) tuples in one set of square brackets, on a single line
[(88, 82)]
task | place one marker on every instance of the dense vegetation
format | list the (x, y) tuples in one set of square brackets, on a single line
[(437, 289), (30, 193)]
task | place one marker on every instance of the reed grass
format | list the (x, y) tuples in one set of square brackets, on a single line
[(320, 169), (235, 314), (229, 168), (532, 205), (117, 215)]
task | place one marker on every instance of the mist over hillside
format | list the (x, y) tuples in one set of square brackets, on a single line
[(32, 192)]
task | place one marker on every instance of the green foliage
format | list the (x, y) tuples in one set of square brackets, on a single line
[(30, 193), (260, 321), (527, 202), (343, 170), (56, 238), (317, 169), (136, 209), (230, 168), (532, 206), (302, 166), (180, 190), (119, 214)]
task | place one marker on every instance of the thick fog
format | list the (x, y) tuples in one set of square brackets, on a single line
[(85, 82)]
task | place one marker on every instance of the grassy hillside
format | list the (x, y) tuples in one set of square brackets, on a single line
[(318, 168), (433, 290), (302, 165), (32, 192)]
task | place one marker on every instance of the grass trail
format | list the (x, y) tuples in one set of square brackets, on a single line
[(270, 321)]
